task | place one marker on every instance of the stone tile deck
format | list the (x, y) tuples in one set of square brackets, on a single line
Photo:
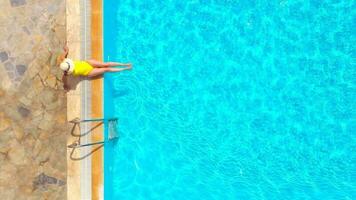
[(33, 106), (34, 110)]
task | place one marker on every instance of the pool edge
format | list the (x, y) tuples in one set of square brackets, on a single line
[(84, 176)]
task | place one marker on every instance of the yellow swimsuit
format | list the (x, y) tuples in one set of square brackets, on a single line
[(82, 68)]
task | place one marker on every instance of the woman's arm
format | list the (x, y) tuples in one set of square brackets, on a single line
[(64, 54), (65, 81), (66, 51)]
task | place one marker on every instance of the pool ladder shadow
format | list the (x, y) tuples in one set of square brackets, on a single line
[(112, 135)]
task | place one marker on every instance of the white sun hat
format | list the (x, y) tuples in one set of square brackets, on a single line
[(67, 65)]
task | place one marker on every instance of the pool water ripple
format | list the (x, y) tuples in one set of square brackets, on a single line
[(231, 99)]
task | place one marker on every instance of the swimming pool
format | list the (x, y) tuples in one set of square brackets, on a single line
[(231, 99)]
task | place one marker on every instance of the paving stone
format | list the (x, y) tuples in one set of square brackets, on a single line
[(3, 157), (23, 111), (60, 182), (26, 30), (21, 69), (25, 101), (18, 132), (17, 154), (3, 56), (44, 153), (37, 148), (51, 81), (7, 192), (7, 172), (33, 69), (37, 86), (15, 3), (52, 106), (48, 116), (5, 138), (47, 96), (18, 79), (46, 125), (4, 122), (9, 66), (31, 31), (11, 75), (38, 112), (11, 113), (37, 120), (42, 180)]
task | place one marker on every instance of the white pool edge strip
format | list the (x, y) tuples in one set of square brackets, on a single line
[(85, 174)]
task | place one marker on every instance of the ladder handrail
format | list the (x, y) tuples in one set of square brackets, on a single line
[(77, 120)]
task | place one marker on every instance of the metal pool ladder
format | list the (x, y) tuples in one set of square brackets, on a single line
[(111, 124)]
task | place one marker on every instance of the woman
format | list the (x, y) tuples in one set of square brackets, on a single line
[(89, 68)]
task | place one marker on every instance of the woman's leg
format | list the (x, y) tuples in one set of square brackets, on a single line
[(100, 71), (99, 64)]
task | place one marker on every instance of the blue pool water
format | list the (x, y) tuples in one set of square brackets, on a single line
[(231, 99)]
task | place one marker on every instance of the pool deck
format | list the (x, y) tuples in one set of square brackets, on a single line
[(33, 120), (85, 173)]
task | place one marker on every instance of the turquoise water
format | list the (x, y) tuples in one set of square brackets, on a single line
[(231, 99)]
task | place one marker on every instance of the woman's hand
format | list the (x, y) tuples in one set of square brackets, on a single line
[(66, 49), (65, 82), (66, 88), (65, 53)]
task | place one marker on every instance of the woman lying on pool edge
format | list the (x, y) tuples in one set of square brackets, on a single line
[(89, 68)]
